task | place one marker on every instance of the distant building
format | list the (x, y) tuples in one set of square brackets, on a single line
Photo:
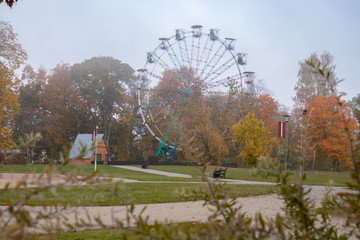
[(11, 157), (84, 141)]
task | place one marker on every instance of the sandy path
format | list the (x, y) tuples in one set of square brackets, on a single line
[(267, 205)]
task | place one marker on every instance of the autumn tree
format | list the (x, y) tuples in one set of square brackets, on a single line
[(266, 108), (207, 134), (309, 85), (10, 3), (11, 57), (63, 110), (253, 138), (329, 126), (102, 82), (51, 104)]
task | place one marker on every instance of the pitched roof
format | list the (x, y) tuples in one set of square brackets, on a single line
[(81, 141)]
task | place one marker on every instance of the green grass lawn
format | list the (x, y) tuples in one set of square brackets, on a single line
[(108, 234), (312, 177), (137, 193), (103, 170)]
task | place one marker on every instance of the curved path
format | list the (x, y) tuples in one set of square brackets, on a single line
[(147, 170)]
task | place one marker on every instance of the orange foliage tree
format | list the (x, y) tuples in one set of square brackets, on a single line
[(64, 108), (329, 127), (265, 109)]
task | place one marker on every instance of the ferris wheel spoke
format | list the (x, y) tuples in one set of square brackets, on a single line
[(183, 49), (213, 62), (156, 103), (153, 58), (165, 45), (220, 70), (156, 116), (173, 76), (179, 68), (223, 81), (205, 55), (195, 44), (197, 55)]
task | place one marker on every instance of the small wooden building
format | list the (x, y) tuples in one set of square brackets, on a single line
[(84, 141)]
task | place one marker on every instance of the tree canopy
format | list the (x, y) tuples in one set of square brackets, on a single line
[(311, 84), (12, 56), (102, 81), (253, 138), (330, 126)]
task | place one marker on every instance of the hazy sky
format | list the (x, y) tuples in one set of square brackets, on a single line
[(275, 34)]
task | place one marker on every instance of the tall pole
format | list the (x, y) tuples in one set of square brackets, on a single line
[(286, 139), (95, 147), (286, 145), (301, 146)]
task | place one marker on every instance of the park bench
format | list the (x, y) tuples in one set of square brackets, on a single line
[(219, 173), (144, 165)]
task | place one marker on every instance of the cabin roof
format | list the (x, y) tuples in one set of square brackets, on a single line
[(84, 141)]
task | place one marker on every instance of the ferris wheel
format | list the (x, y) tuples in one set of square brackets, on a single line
[(182, 69)]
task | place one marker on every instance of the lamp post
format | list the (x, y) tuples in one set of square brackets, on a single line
[(301, 145), (286, 116), (96, 129)]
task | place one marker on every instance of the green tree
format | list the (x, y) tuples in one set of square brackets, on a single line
[(30, 115), (354, 105), (11, 57), (253, 138), (310, 84)]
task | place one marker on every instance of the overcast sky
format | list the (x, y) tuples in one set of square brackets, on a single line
[(275, 34)]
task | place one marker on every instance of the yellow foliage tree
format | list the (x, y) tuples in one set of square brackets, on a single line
[(11, 57), (253, 137)]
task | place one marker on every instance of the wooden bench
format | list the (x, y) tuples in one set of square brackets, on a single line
[(145, 165), (219, 173)]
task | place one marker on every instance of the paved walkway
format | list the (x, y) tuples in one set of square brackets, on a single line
[(170, 174), (147, 170)]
